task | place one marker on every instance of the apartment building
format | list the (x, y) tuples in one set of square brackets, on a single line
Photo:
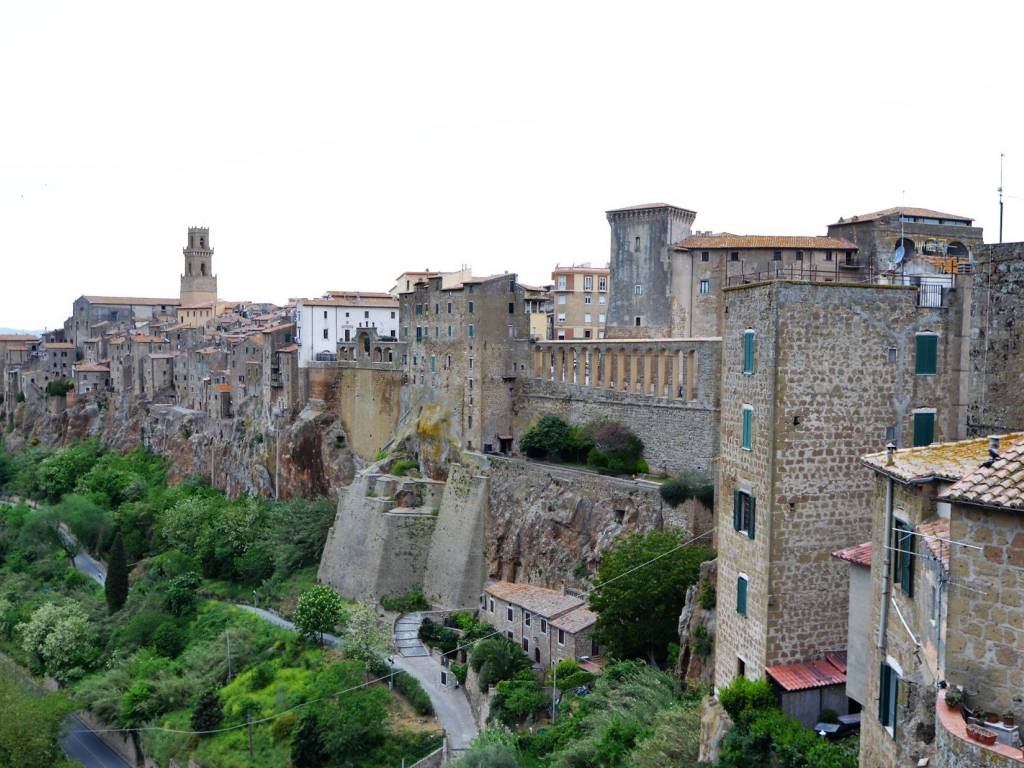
[(580, 297)]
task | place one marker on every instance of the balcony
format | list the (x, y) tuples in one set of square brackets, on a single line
[(957, 748)]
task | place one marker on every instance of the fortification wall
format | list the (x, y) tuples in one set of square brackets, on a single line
[(367, 401), (677, 435)]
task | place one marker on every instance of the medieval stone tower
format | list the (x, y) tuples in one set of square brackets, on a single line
[(198, 283)]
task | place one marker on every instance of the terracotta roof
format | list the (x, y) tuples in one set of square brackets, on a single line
[(390, 302), (119, 340), (276, 328), (939, 461), (728, 240), (359, 295), (543, 602), (141, 339), (131, 300), (936, 538), (163, 356), (289, 348), (575, 620), (222, 388), (206, 351), (999, 484), (91, 368), (18, 337), (17, 349), (596, 270), (858, 555), (58, 345), (924, 213), (814, 674), (648, 206)]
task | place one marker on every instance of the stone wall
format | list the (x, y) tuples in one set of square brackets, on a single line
[(367, 401), (547, 525), (996, 351), (677, 435)]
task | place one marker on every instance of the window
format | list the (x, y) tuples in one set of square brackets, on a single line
[(508, 634), (602, 299), (437, 308), (586, 334), (366, 314), (890, 434), (903, 557), (561, 637), (637, 242), (508, 612), (601, 319), (449, 331), (636, 321), (561, 298), (561, 317), (888, 690), (924, 428), (743, 513), (748, 427), (492, 605), (588, 282), (511, 286), (526, 618), (433, 363), (471, 331), (543, 626), (325, 314), (705, 287), (471, 307), (526, 644), (799, 255), (926, 354), (449, 307), (419, 333), (741, 595), (587, 318), (588, 299), (828, 255), (325, 333), (892, 352), (777, 256), (638, 290), (705, 256), (602, 283), (419, 310), (437, 331), (749, 344), (734, 256), (511, 307), (561, 282), (392, 315)]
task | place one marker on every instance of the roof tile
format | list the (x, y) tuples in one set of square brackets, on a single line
[(998, 483)]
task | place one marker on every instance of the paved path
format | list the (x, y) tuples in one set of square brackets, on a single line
[(279, 621), (450, 704), (81, 744)]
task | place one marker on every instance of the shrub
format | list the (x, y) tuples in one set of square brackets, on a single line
[(460, 671), (828, 716), (404, 466), (59, 639), (20, 397), (496, 659), (282, 726), (518, 699), (180, 598), (59, 387), (413, 693), (706, 597), (618, 444), (437, 636), (743, 697), (689, 485), (413, 600), (548, 437), (701, 641), (578, 445), (208, 712), (169, 639)]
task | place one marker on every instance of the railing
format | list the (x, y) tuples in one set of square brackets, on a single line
[(929, 295), (326, 357), (798, 272)]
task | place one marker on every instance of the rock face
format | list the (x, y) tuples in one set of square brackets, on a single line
[(246, 454), (697, 630), (547, 525), (714, 724)]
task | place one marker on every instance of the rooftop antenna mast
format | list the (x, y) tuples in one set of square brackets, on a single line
[(1001, 156)]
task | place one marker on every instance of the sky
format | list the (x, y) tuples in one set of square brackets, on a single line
[(331, 146)]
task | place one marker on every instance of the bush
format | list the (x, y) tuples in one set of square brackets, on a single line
[(706, 597), (59, 387), (413, 693), (689, 485), (438, 636), (518, 699), (616, 447), (701, 641), (404, 466), (180, 598), (496, 659), (548, 437), (169, 640), (578, 445), (208, 712), (282, 727), (413, 600), (743, 697), (460, 671)]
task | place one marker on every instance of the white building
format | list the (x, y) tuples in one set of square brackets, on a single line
[(322, 323)]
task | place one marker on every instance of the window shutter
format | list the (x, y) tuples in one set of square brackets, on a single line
[(883, 694), (748, 351), (741, 596), (927, 353), (748, 418), (907, 561), (924, 429), (753, 516), (737, 511)]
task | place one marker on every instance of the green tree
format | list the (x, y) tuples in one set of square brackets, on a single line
[(364, 637), (518, 698), (308, 750), (59, 639), (641, 583), (208, 712), (616, 447), (496, 659), (492, 748), (548, 437), (116, 585), (180, 597), (317, 611), (29, 725)]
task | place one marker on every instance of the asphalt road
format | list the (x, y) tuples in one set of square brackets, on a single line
[(81, 744)]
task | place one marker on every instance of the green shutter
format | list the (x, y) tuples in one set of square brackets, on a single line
[(748, 419), (894, 689), (741, 596), (906, 561), (748, 351), (753, 515), (924, 429), (927, 353), (737, 511), (883, 693)]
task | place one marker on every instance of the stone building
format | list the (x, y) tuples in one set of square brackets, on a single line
[(645, 302), (580, 302), (91, 377), (406, 282), (124, 313), (936, 242), (539, 305), (996, 367), (198, 283), (57, 360), (324, 323), (710, 262), (814, 375), (466, 345), (945, 606), (548, 624)]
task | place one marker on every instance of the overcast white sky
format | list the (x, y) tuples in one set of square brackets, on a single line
[(334, 145)]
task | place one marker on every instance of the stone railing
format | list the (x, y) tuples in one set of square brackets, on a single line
[(955, 749), (676, 369)]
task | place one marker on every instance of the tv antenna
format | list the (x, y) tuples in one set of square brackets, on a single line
[(1000, 190)]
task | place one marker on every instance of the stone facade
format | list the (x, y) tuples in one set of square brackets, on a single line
[(996, 352), (198, 283), (832, 378)]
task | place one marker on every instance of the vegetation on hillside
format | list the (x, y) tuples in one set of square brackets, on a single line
[(608, 446)]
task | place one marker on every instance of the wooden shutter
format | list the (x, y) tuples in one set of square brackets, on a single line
[(883, 693), (748, 423), (753, 515), (741, 596), (748, 351), (924, 429), (926, 353), (737, 511), (906, 560)]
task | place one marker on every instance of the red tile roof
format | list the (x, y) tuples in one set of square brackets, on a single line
[(936, 538), (728, 240), (814, 674), (18, 337), (575, 620), (998, 483), (58, 345), (858, 555), (91, 368), (923, 213), (539, 600), (938, 461)]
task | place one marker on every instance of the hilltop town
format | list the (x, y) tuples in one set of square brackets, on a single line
[(853, 397)]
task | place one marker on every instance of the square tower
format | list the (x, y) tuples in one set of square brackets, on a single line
[(198, 283)]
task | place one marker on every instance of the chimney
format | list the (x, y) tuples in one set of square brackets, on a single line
[(890, 449), (993, 443)]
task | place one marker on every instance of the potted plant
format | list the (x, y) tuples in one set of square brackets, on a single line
[(991, 717), (982, 735), (954, 698), (1008, 719)]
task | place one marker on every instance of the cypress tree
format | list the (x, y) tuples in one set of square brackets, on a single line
[(116, 586)]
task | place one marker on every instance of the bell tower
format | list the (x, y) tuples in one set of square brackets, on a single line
[(198, 283)]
